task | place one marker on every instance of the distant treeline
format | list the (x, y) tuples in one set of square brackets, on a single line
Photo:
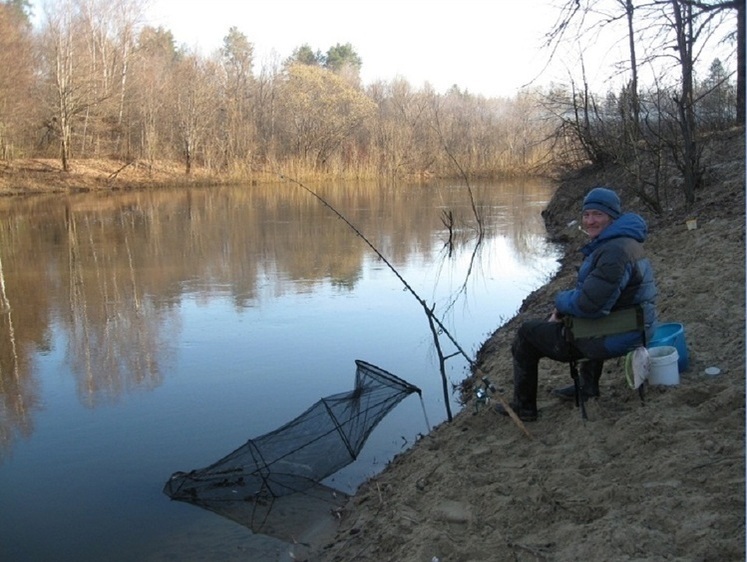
[(93, 82)]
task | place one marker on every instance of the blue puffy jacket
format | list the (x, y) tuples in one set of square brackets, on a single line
[(615, 274)]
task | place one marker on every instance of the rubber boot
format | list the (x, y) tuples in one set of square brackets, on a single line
[(525, 393), (589, 373)]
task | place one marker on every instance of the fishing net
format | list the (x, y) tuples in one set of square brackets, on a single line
[(298, 455)]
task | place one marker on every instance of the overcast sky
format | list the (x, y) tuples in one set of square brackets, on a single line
[(489, 47)]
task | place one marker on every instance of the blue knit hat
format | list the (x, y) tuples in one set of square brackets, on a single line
[(603, 199)]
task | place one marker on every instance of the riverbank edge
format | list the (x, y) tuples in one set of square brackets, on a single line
[(719, 205), (37, 176)]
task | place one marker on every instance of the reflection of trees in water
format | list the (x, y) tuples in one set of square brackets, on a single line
[(114, 337), (519, 222), (17, 397), (435, 317), (111, 271), (468, 240), (526, 227)]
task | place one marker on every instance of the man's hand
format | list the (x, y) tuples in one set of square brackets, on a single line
[(555, 316)]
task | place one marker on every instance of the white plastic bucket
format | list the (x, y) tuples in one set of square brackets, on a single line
[(664, 365)]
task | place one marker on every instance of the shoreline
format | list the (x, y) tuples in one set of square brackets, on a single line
[(479, 489), (660, 479), (37, 176)]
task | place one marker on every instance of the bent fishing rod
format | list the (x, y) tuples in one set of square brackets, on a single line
[(432, 318), (429, 312)]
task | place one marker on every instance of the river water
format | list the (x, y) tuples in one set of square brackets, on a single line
[(143, 333)]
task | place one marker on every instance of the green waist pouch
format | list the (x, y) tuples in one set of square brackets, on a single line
[(616, 322)]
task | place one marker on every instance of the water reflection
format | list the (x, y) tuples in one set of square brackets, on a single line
[(141, 333), (108, 271), (18, 391)]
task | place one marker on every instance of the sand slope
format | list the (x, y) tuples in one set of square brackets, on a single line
[(659, 480)]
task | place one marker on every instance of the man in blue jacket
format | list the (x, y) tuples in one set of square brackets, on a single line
[(614, 275)]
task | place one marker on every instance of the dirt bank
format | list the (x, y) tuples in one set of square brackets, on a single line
[(663, 479), (38, 175)]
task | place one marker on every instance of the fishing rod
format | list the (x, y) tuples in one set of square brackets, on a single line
[(423, 303), (433, 320)]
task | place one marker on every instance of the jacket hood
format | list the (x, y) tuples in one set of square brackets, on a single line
[(629, 225)]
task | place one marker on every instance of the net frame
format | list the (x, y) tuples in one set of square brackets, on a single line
[(300, 454)]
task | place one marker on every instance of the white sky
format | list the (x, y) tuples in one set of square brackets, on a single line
[(489, 47)]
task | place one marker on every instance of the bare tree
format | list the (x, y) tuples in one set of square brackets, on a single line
[(86, 46), (321, 111), (237, 57), (402, 139), (675, 34), (739, 38), (264, 108), (195, 101), (154, 66), (109, 29), (685, 33), (68, 86), (16, 79)]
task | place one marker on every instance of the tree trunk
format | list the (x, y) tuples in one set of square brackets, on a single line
[(635, 104), (187, 157), (683, 18), (740, 62)]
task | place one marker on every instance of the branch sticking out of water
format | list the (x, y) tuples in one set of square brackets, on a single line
[(434, 322)]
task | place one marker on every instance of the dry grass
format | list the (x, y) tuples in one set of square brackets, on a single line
[(45, 175), (38, 175)]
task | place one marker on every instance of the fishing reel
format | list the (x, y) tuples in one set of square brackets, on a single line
[(482, 393)]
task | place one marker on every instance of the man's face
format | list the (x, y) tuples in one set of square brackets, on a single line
[(595, 222)]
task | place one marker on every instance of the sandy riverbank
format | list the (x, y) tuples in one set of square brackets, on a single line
[(659, 480)]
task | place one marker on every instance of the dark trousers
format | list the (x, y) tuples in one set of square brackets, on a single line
[(537, 339)]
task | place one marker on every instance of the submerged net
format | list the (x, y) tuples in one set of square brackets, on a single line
[(298, 455)]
